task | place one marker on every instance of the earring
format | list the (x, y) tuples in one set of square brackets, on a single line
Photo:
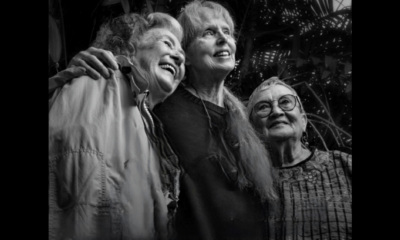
[(304, 139)]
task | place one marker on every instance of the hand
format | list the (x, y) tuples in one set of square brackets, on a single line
[(95, 61)]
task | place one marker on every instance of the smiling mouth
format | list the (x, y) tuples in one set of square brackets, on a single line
[(224, 53), (169, 68), (276, 123)]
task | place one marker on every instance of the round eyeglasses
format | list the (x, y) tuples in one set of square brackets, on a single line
[(285, 102)]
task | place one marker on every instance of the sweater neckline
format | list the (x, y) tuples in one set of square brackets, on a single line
[(210, 106), (302, 162)]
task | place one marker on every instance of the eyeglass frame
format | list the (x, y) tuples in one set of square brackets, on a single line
[(296, 98)]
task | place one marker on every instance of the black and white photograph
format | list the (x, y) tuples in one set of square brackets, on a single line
[(200, 120)]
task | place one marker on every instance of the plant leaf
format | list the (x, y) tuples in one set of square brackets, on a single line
[(54, 40), (125, 6), (347, 67), (348, 87), (325, 74), (328, 60), (333, 64), (110, 2), (149, 6), (315, 60), (299, 62)]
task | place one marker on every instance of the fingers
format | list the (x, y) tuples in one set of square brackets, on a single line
[(95, 61), (89, 70), (98, 65), (108, 58), (105, 56)]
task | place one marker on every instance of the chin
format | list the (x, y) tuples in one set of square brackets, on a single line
[(167, 85), (280, 135)]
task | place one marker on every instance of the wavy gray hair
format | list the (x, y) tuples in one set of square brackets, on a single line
[(119, 35)]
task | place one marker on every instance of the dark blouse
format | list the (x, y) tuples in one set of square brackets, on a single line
[(210, 205), (316, 199)]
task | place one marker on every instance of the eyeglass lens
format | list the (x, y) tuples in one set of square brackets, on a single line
[(285, 102)]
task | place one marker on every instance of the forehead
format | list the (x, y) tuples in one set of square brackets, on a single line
[(273, 92), (210, 19), (158, 33)]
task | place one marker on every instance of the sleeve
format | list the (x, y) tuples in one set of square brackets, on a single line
[(346, 161)]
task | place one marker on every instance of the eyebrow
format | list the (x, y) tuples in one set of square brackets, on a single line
[(262, 101), (214, 25), (269, 101), (180, 50)]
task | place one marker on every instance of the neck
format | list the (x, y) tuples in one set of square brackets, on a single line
[(154, 99), (152, 102), (288, 153), (206, 87)]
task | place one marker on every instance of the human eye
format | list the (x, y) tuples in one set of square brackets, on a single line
[(227, 32), (263, 106), (168, 43), (208, 32), (286, 101)]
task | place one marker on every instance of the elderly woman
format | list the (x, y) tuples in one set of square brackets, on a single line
[(112, 174), (315, 187), (226, 169)]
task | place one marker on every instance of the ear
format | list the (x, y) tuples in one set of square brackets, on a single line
[(304, 121), (131, 49)]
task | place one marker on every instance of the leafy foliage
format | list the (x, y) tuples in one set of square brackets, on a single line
[(308, 45)]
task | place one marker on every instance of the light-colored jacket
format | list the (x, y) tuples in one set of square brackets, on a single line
[(111, 172)]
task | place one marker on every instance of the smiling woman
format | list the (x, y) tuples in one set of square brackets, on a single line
[(315, 187), (161, 58), (149, 51), (112, 173), (212, 48), (278, 100)]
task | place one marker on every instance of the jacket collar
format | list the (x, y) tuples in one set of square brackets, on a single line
[(133, 73)]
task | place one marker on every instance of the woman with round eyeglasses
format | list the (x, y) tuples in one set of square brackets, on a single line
[(314, 187)]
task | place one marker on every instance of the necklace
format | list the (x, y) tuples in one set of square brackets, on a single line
[(204, 106)]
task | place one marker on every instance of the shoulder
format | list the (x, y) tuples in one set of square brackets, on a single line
[(175, 102), (84, 96), (84, 88), (333, 155), (343, 157), (335, 159)]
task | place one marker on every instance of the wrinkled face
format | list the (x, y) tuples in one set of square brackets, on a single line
[(279, 125), (214, 47), (161, 57)]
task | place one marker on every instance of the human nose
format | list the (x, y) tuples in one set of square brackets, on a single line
[(222, 38), (276, 111), (178, 57)]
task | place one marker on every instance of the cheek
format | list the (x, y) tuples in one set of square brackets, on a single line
[(260, 124), (144, 61), (182, 70), (296, 120), (232, 45)]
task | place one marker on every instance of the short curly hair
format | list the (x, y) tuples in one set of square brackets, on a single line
[(119, 34)]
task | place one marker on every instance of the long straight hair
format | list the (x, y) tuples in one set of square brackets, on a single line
[(254, 162)]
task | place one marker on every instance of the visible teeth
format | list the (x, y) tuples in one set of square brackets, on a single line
[(223, 53), (167, 66)]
